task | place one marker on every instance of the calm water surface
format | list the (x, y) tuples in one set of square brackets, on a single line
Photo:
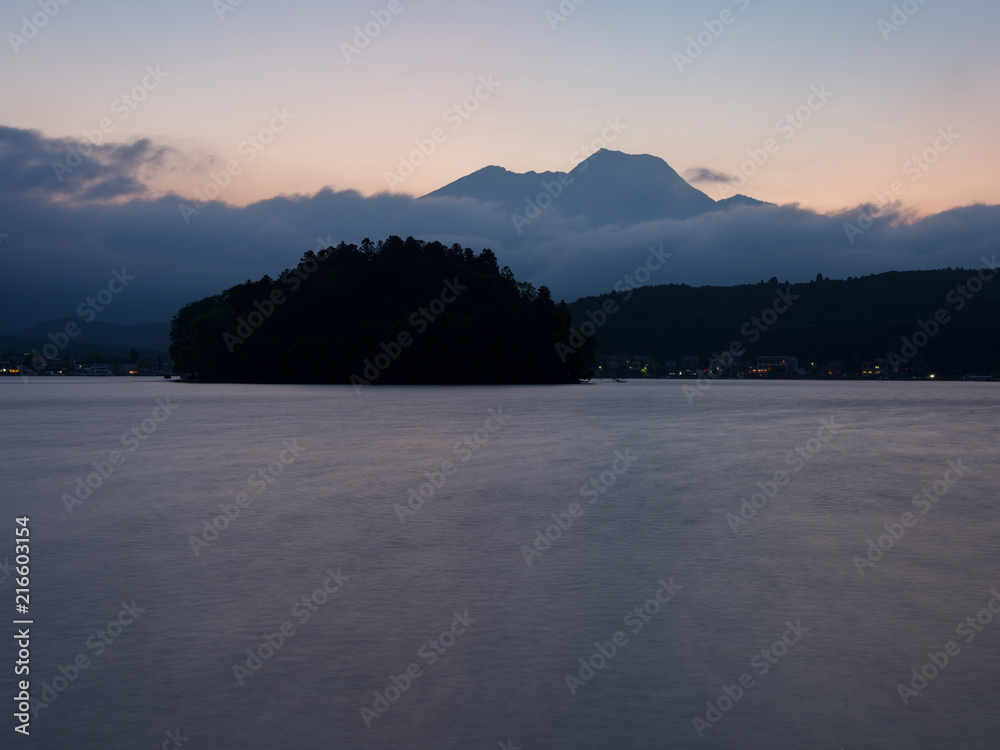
[(324, 476)]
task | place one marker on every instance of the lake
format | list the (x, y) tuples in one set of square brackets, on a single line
[(610, 565)]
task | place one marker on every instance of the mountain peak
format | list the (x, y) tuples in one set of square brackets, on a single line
[(491, 169), (609, 153), (620, 157), (741, 200), (612, 187), (607, 188)]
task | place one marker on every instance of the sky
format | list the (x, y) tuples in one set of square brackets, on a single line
[(816, 107)]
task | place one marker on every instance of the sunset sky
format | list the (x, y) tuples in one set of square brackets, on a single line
[(559, 76), (307, 122)]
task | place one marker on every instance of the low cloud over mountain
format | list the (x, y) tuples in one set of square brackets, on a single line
[(61, 240)]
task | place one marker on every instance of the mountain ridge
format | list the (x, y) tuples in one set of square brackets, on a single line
[(607, 188)]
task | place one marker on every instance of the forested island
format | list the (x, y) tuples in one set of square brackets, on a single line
[(399, 311), (407, 311)]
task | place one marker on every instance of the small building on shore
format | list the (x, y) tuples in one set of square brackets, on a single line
[(781, 365)]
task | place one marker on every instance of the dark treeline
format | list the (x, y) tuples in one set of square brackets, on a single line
[(849, 321), (400, 311)]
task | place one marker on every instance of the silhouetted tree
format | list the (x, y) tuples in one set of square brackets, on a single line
[(462, 318)]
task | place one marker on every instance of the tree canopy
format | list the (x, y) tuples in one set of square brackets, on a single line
[(399, 311)]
